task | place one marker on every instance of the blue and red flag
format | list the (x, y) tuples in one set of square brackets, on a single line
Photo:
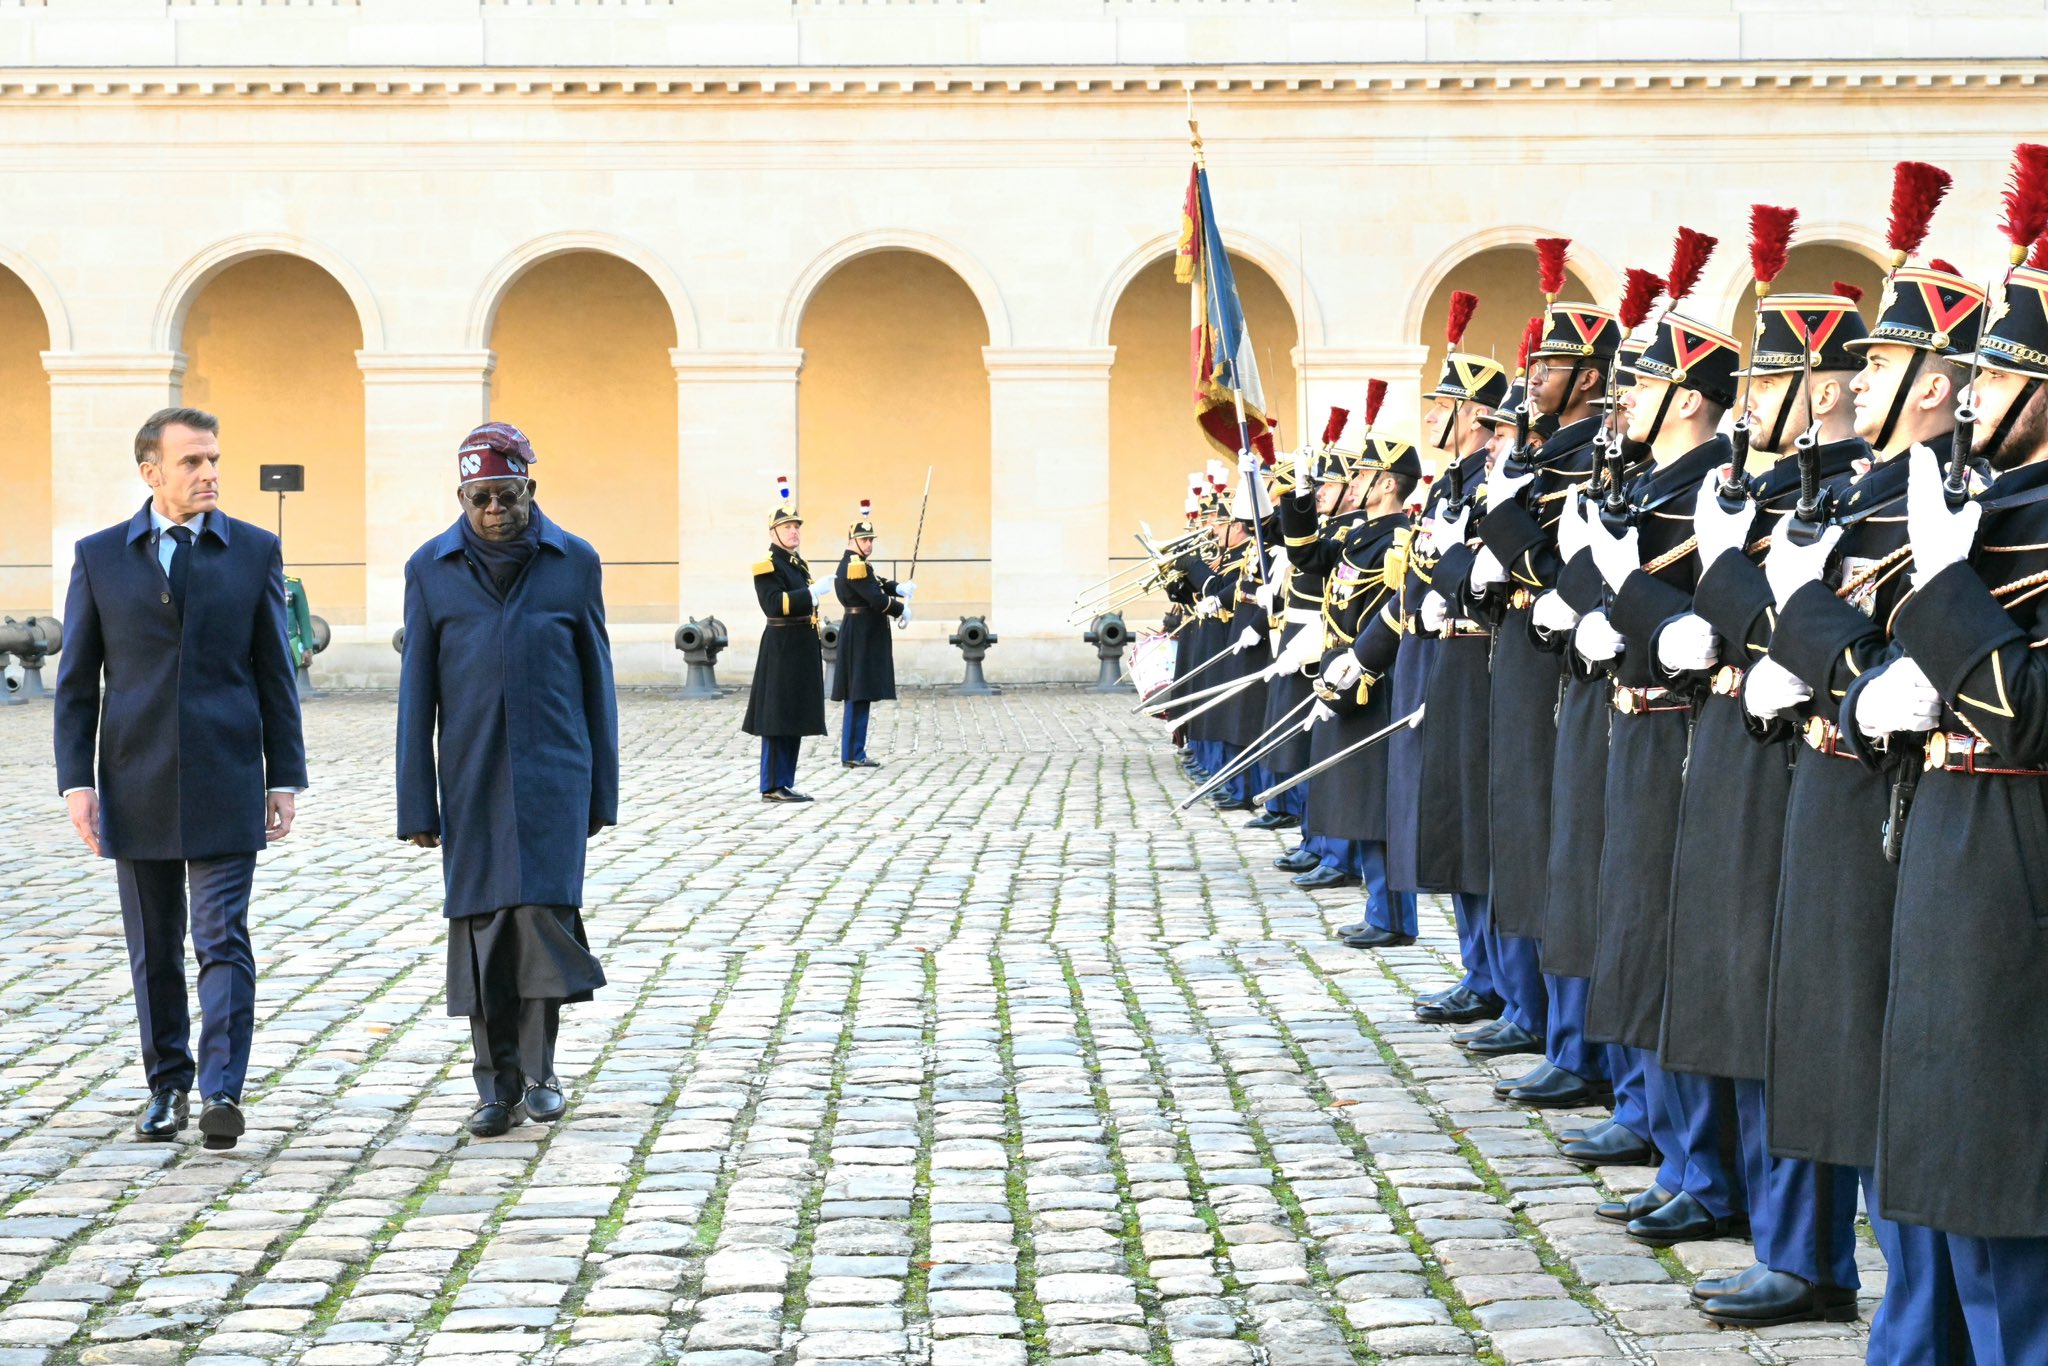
[(1225, 372)]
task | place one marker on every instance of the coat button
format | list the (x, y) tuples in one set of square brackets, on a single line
[(167, 599)]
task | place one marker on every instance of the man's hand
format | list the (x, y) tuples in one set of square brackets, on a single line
[(906, 590), (1616, 556), (425, 840), (1718, 529), (903, 618), (1940, 537), (1245, 640), (1789, 567), (1343, 671), (1770, 688), (1572, 536), (1434, 612), (1209, 606), (1596, 640), (1305, 468), (1487, 570), (1501, 486), (1898, 701), (1552, 613), (85, 816), (1687, 645), (278, 810)]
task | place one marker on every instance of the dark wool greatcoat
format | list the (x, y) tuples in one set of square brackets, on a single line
[(1313, 549), (1738, 779), (1963, 1118), (788, 693), (518, 692), (866, 671), (187, 739), (1349, 801), (1645, 761), (1578, 786)]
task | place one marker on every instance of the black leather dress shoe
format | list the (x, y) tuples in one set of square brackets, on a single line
[(492, 1118), (1272, 820), (1780, 1297), (1510, 1038), (1560, 1090), (1581, 1134), (1616, 1146), (1460, 1007), (1230, 804), (1713, 1286), (1636, 1206), (1684, 1220), (1323, 876), (860, 763), (784, 794), (1372, 937), (544, 1101), (1537, 1073), (221, 1121), (1297, 861), (1464, 1038), (164, 1118)]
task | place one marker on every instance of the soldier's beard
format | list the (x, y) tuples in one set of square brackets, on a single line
[(2025, 443)]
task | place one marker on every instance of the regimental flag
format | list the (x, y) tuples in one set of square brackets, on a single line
[(1224, 370)]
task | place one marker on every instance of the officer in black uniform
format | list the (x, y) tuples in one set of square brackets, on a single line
[(866, 671), (787, 699)]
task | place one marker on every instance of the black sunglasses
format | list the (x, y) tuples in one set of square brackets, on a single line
[(504, 498)]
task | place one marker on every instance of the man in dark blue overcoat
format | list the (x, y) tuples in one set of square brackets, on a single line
[(180, 610), (506, 653)]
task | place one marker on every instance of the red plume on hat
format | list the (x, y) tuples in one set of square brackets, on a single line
[(1770, 242), (2026, 198), (1334, 426), (1463, 305), (2038, 257), (1916, 188), (1688, 258), (1375, 395), (1550, 254), (867, 509), (1532, 336), (1853, 293), (1938, 264), (1637, 298)]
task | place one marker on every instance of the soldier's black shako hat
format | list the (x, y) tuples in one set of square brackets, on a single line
[(1692, 355), (1578, 332), (1389, 453), (2016, 338), (1479, 379), (1802, 328), (1928, 310)]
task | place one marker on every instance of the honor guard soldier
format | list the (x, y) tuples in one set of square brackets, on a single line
[(866, 671), (787, 699), (1963, 1124)]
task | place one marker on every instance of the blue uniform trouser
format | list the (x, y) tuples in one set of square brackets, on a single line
[(1631, 1082), (1293, 802), (155, 914), (1693, 1120), (1233, 790), (1802, 1214), (1472, 913), (1384, 909), (1205, 756), (2003, 1284), (1518, 977), (1921, 1321), (1564, 1029), (853, 732), (778, 761)]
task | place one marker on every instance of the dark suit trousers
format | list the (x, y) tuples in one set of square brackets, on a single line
[(153, 916)]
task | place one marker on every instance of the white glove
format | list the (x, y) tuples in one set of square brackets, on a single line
[(1208, 607), (1550, 612), (906, 591), (903, 621), (1769, 688), (1687, 644), (1247, 462), (1718, 529), (1305, 648), (1790, 567), (1263, 594), (1571, 527), (1616, 556), (1434, 612), (1596, 640), (1343, 672), (1487, 570), (1319, 712), (1899, 699), (1305, 467), (1502, 486), (1940, 537), (1249, 638)]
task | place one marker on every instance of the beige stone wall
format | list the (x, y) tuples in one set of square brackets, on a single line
[(627, 226)]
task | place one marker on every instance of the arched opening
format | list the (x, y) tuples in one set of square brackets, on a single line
[(1153, 440), (270, 345), (582, 341), (25, 579), (1813, 268), (893, 384), (1504, 278)]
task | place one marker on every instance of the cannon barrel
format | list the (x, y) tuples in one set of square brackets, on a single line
[(701, 639), (1109, 634), (973, 639)]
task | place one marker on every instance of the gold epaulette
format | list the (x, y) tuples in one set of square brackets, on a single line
[(764, 567), (1394, 569), (857, 568)]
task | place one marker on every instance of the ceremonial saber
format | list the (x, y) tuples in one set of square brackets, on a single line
[(1255, 751), (1413, 718), (922, 508), (1206, 693), (1223, 694), (1152, 698)]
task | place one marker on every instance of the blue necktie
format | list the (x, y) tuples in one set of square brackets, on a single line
[(181, 566)]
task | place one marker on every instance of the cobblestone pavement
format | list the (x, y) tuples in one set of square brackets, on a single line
[(988, 1057)]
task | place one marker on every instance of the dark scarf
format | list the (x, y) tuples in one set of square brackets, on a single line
[(501, 561)]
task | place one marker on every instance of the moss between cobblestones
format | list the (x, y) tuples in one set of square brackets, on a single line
[(1029, 1312), (793, 1295), (917, 1285)]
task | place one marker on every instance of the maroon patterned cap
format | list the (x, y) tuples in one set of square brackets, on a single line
[(496, 450)]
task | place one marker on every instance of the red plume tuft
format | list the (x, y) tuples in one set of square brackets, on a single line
[(1334, 428), (2026, 195), (2038, 257), (1853, 293), (1463, 305), (1938, 264), (1375, 395), (1532, 337), (1770, 239), (1550, 254), (1688, 258), (1637, 299), (1916, 189)]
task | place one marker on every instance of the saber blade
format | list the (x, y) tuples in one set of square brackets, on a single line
[(1413, 718)]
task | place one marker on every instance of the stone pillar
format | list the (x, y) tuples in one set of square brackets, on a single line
[(1336, 377), (97, 401), (417, 407), (1049, 488), (736, 430)]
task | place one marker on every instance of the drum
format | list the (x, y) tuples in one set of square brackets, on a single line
[(1152, 660)]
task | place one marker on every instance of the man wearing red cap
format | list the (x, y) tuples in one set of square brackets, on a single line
[(504, 630)]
